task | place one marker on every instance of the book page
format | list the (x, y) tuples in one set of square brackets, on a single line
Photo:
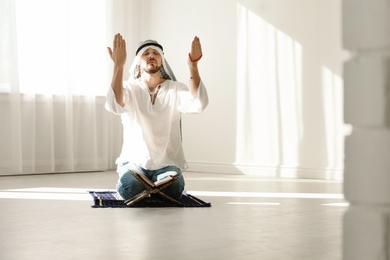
[(163, 181)]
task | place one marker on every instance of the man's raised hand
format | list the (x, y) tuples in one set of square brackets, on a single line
[(118, 55), (196, 50)]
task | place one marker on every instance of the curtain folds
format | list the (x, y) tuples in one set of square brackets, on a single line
[(52, 90)]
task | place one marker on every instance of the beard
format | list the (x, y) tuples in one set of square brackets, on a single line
[(152, 69)]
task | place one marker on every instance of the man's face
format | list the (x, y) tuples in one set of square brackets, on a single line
[(151, 61)]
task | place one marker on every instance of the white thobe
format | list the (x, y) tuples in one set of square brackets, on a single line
[(151, 132)]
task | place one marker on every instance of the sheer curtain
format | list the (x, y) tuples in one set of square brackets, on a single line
[(53, 79)]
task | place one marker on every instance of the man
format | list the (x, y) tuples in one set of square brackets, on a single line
[(150, 104)]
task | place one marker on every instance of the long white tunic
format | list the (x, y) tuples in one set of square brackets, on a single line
[(151, 132)]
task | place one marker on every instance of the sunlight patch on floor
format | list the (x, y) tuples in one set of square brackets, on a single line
[(53, 193)]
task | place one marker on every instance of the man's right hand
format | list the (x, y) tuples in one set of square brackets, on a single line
[(118, 55), (119, 58)]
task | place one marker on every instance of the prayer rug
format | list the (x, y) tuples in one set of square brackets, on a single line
[(111, 199)]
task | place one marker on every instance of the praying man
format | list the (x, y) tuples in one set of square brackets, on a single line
[(150, 104)]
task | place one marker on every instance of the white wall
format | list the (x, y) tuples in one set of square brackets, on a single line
[(276, 108)]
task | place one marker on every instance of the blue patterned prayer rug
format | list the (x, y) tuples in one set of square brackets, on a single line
[(111, 199)]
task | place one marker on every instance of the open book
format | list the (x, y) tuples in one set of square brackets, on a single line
[(157, 183)]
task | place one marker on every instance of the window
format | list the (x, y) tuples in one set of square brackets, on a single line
[(61, 46)]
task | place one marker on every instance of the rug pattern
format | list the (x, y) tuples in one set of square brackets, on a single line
[(111, 199)]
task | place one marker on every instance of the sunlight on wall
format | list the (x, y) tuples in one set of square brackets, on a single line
[(62, 46), (269, 128), (332, 87)]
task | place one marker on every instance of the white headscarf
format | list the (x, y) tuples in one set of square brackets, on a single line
[(166, 71)]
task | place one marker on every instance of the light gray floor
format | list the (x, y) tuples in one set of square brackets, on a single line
[(50, 217)]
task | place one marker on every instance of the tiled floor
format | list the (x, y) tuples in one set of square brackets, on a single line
[(50, 217)]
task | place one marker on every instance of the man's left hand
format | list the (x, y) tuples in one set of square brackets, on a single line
[(196, 50)]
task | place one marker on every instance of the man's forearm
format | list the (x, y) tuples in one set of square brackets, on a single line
[(117, 84), (194, 78)]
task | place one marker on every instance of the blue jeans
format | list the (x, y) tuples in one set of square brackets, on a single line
[(128, 186)]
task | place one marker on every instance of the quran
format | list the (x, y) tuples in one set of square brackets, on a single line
[(157, 183)]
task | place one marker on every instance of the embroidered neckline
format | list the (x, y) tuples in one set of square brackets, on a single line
[(153, 95)]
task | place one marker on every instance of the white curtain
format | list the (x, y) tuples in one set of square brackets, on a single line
[(53, 79)]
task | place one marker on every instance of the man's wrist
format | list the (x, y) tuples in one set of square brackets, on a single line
[(194, 59), (119, 66), (193, 65)]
